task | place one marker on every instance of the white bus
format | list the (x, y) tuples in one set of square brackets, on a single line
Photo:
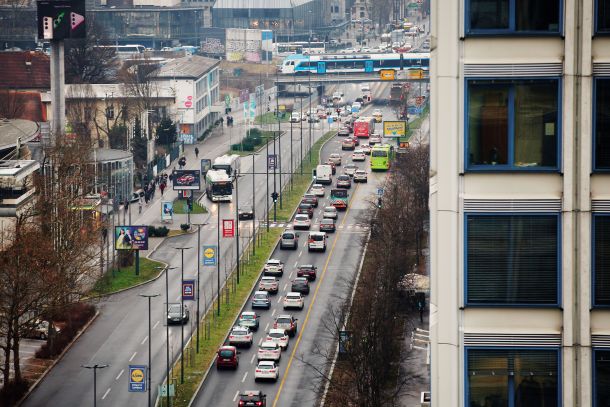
[(218, 186), (125, 50), (228, 163), (299, 47)]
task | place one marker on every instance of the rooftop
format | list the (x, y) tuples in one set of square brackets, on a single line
[(12, 130), (25, 70), (108, 154), (17, 168), (109, 90), (192, 67), (265, 4)]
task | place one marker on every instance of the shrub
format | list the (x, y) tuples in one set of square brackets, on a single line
[(75, 316), (152, 231), (161, 231), (254, 133), (185, 226), (236, 147), (12, 392)]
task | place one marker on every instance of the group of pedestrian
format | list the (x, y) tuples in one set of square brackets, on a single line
[(229, 121)]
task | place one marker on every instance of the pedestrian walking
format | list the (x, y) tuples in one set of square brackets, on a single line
[(162, 187), (197, 151), (222, 122), (140, 206), (420, 307)]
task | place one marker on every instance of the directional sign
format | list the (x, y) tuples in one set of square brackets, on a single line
[(209, 255), (259, 90), (163, 390), (387, 74), (188, 290), (228, 228), (272, 161), (380, 191), (137, 378)]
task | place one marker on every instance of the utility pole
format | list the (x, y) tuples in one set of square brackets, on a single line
[(149, 297), (279, 132), (182, 249)]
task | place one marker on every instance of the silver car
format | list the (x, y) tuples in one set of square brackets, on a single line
[(290, 240), (330, 212)]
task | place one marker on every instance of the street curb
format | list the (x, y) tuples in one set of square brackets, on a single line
[(58, 359), (144, 282), (254, 286)]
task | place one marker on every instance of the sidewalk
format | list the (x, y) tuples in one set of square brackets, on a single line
[(414, 370)]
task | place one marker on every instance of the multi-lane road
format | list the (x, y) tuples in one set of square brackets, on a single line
[(119, 336)]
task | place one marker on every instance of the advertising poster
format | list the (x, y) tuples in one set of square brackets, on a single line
[(228, 228), (209, 255), (206, 165), (394, 129), (131, 237), (188, 290), (167, 211), (186, 179)]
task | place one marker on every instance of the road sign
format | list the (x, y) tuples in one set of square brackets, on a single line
[(380, 191), (272, 161), (387, 74), (188, 290), (259, 90), (163, 390), (209, 255), (188, 104), (228, 228), (137, 378), (244, 95)]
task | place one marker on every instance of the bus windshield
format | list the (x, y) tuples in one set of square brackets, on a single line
[(222, 188), (379, 153)]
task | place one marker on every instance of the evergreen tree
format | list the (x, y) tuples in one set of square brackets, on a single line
[(138, 145), (166, 132)]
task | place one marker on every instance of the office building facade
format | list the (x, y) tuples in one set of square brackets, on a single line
[(520, 203)]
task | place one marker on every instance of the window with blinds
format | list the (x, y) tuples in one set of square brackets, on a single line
[(512, 377), (512, 259), (601, 259), (601, 386)]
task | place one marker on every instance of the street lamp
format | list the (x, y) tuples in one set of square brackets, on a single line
[(94, 367), (182, 249), (199, 225), (167, 269), (218, 254), (278, 158), (149, 296)]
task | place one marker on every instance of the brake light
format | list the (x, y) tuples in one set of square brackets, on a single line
[(259, 403), (231, 337), (241, 403), (258, 371), (310, 241)]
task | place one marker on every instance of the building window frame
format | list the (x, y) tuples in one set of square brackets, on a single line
[(510, 82), (596, 81), (594, 300), (594, 373), (597, 30), (510, 396), (469, 303), (511, 30)]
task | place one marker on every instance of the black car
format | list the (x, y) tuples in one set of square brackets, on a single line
[(300, 285), (307, 270), (245, 212), (306, 209), (255, 398), (174, 316)]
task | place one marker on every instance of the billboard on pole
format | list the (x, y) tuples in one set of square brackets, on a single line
[(187, 179)]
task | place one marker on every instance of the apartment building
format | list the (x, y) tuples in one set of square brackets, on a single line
[(520, 203)]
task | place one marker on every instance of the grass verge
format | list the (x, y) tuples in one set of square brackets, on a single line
[(126, 277), (291, 197), (180, 206), (416, 124), (213, 328), (269, 118)]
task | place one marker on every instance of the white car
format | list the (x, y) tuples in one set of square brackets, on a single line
[(269, 283), (358, 155), (274, 267), (374, 139), (278, 336), (350, 169), (301, 221), (356, 105), (360, 176), (317, 190), (266, 370), (240, 336), (365, 88), (366, 149), (335, 158), (294, 300), (295, 117), (269, 351), (330, 212)]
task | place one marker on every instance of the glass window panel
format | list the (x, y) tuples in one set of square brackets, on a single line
[(536, 124), (537, 15), (603, 15), (602, 260), (602, 378), (602, 124), (489, 14), (487, 124)]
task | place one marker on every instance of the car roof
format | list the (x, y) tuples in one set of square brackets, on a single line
[(266, 363), (261, 292), (251, 393), (284, 316), (317, 233), (273, 261), (301, 215), (293, 294), (239, 328), (307, 265), (268, 278), (327, 220), (227, 347), (270, 343), (248, 313), (331, 208), (300, 279)]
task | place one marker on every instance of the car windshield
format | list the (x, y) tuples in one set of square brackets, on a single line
[(343, 177), (239, 332), (260, 296), (300, 280), (283, 320), (304, 206), (293, 297), (288, 236), (249, 398), (174, 309), (330, 209), (247, 317), (379, 153), (226, 353), (327, 221), (317, 238), (276, 334), (338, 193), (269, 346)]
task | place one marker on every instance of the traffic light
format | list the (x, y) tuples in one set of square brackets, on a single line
[(274, 196), (379, 202), (189, 203)]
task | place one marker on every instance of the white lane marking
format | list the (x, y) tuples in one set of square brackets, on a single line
[(280, 297), (155, 325), (267, 326), (273, 313), (290, 276), (235, 397), (260, 341), (144, 341), (119, 375), (105, 394), (285, 286), (244, 378), (300, 253), (178, 298), (252, 360), (133, 356), (295, 264)]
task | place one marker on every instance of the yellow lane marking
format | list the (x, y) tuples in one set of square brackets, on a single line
[(313, 300)]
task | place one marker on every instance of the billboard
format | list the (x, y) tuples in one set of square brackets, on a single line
[(186, 179), (186, 134), (131, 237), (228, 228), (61, 19), (394, 129), (167, 210)]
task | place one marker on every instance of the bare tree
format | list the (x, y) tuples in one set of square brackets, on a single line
[(11, 105)]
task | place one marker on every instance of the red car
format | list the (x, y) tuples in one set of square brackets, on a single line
[(307, 270), (185, 179), (333, 166), (306, 209), (227, 357), (310, 199)]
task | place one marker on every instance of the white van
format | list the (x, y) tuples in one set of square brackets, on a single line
[(295, 117), (323, 174), (316, 241)]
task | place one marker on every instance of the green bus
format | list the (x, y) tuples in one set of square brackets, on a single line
[(381, 157)]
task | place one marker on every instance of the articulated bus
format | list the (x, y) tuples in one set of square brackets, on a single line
[(218, 186), (382, 157)]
